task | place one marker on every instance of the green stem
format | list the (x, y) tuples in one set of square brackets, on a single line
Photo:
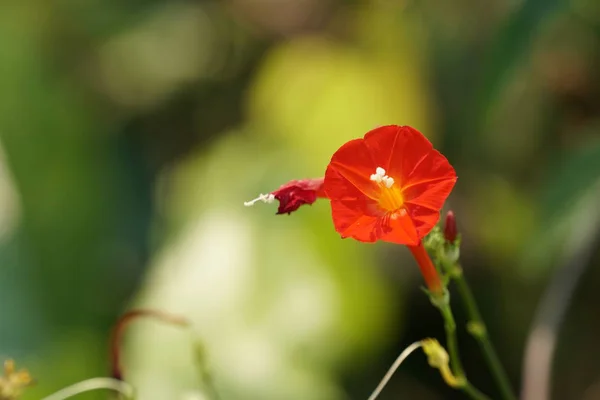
[(473, 392), (452, 341), (478, 330), (121, 387), (452, 344)]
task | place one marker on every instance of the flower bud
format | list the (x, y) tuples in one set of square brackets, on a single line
[(450, 231)]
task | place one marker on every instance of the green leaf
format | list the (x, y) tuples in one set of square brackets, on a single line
[(511, 43)]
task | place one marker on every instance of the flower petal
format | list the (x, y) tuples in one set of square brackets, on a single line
[(430, 182), (354, 214), (400, 148), (381, 142), (353, 161), (402, 230), (423, 218), (349, 223)]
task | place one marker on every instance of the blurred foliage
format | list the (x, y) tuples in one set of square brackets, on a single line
[(131, 133)]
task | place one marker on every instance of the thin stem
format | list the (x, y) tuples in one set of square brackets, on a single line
[(393, 369), (455, 363), (205, 375), (474, 393), (440, 298), (477, 328), (93, 384), (132, 315), (452, 341)]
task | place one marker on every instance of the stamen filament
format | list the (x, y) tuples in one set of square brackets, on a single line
[(265, 198)]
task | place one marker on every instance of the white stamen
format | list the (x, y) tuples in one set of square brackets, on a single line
[(380, 177), (265, 198), (376, 178)]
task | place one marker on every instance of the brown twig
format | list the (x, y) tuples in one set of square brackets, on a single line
[(121, 325)]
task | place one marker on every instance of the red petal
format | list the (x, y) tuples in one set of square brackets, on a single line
[(402, 231), (349, 223), (353, 162), (381, 142), (430, 182), (424, 219), (354, 214), (399, 149)]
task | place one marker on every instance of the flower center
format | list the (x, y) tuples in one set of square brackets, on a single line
[(390, 197)]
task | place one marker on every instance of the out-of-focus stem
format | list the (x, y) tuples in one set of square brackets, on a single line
[(123, 323), (452, 344), (452, 341), (541, 343), (476, 327), (115, 385), (440, 298), (128, 317)]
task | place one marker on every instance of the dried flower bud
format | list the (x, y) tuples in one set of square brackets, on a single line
[(438, 358), (450, 231), (293, 194)]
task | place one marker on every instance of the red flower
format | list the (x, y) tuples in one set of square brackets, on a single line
[(388, 186), (293, 194)]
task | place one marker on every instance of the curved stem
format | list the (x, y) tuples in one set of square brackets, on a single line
[(478, 330), (93, 384), (124, 321), (121, 326), (393, 369)]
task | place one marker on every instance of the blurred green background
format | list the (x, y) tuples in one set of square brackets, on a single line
[(132, 131)]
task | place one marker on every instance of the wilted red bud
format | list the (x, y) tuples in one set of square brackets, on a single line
[(293, 194), (450, 230)]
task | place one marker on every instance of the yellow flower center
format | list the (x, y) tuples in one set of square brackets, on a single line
[(390, 198)]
